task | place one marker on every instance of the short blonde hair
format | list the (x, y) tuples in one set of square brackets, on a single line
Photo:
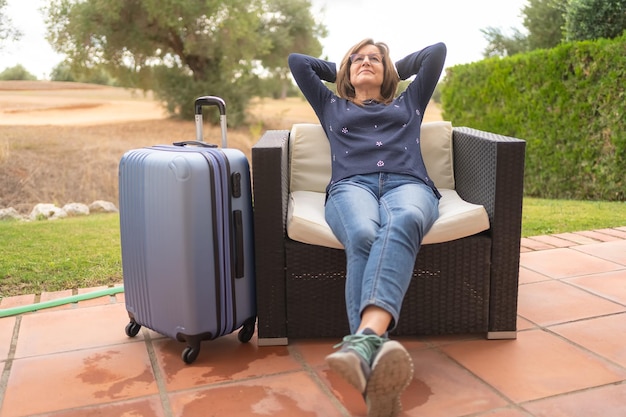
[(345, 89)]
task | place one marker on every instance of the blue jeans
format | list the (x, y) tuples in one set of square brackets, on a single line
[(380, 219)]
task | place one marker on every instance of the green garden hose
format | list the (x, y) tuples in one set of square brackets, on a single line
[(60, 301)]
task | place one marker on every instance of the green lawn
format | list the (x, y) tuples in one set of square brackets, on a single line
[(84, 252), (61, 254), (542, 217)]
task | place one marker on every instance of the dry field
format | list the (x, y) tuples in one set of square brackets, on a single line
[(62, 142)]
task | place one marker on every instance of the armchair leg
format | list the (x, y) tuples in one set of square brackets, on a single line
[(273, 341), (502, 335)]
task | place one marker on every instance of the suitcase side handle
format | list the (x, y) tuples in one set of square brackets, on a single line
[(210, 101), (238, 244)]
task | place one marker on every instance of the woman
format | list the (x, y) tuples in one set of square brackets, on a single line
[(380, 201)]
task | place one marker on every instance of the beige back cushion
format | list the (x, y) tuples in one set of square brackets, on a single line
[(310, 156), (436, 145)]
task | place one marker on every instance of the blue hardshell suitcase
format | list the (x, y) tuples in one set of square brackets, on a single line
[(186, 237)]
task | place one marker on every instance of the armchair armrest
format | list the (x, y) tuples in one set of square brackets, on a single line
[(489, 170), (270, 180)]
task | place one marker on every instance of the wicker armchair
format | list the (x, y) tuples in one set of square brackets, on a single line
[(466, 285)]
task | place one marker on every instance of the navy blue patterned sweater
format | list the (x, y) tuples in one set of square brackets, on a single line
[(374, 137)]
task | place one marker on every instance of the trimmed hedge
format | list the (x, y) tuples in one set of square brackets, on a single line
[(568, 103)]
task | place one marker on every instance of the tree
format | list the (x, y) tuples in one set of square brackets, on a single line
[(182, 49), (499, 44), (292, 26), (7, 31), (593, 19), (544, 20)]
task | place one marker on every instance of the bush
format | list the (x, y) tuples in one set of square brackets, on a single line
[(594, 19), (64, 72), (16, 73), (567, 102)]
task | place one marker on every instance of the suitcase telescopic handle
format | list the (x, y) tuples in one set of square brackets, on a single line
[(210, 101)]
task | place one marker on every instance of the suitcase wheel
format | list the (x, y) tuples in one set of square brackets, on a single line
[(132, 329), (247, 331), (190, 354)]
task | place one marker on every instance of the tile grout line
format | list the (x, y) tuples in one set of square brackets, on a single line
[(6, 373), (569, 393), (520, 405), (515, 407), (510, 402), (596, 256), (158, 376), (548, 329), (604, 297), (582, 348), (294, 352)]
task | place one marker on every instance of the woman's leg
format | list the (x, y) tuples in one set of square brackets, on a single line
[(407, 212), (379, 368), (352, 214)]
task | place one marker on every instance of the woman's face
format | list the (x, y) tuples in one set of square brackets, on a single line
[(366, 69)]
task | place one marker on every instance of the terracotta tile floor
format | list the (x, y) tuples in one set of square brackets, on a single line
[(569, 358)]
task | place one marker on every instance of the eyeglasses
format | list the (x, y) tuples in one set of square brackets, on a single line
[(360, 58)]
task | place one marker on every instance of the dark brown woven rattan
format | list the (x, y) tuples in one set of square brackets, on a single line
[(467, 285)]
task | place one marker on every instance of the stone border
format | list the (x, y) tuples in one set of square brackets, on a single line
[(47, 211), (566, 240)]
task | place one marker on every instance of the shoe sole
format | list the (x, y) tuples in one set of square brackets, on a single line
[(392, 372), (348, 365)]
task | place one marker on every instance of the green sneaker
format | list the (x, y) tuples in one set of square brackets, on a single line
[(354, 360), (392, 372)]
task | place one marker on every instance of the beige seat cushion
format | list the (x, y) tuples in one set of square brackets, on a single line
[(310, 173), (457, 219)]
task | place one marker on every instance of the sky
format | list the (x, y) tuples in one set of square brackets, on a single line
[(409, 25), (32, 51), (405, 25)]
